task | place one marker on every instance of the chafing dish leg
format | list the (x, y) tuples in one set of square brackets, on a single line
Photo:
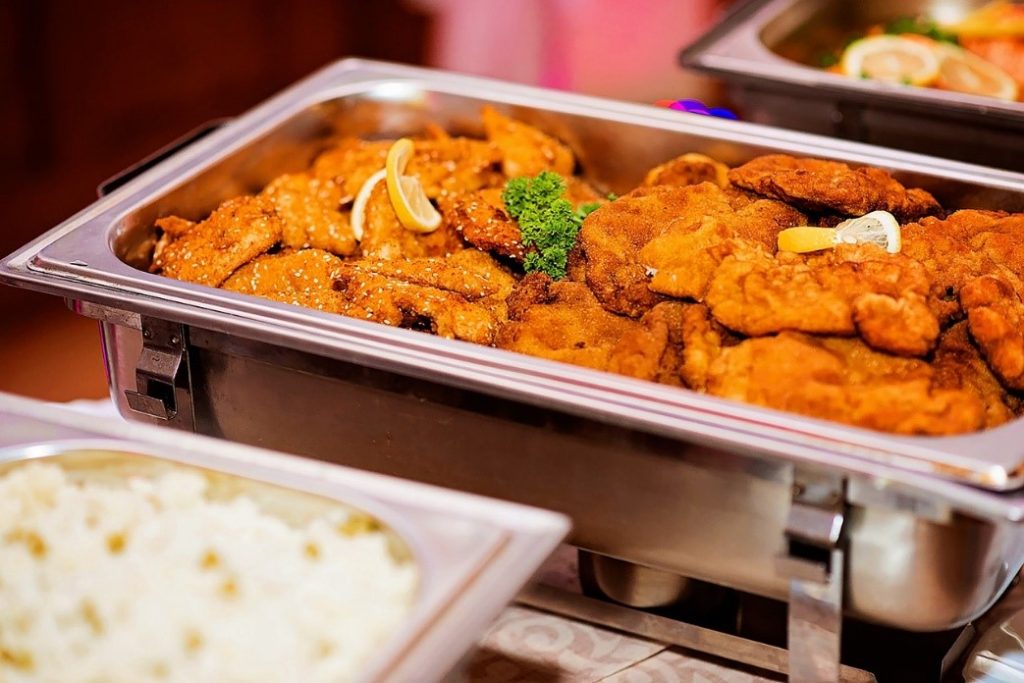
[(814, 629), (814, 564)]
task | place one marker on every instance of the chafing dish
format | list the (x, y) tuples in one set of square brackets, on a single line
[(766, 51), (918, 533), (473, 554)]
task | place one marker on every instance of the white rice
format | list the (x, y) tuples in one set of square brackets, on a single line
[(155, 582)]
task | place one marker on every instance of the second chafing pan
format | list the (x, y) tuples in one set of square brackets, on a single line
[(655, 475), (472, 554), (766, 52)]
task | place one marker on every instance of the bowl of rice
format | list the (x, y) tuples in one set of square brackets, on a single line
[(119, 567)]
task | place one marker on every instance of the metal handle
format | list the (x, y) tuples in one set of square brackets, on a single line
[(137, 169)]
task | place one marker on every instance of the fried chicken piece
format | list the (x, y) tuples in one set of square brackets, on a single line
[(689, 169), (684, 259), (654, 350), (238, 231), (442, 164), (703, 341), (524, 149), (845, 381), (350, 163), (461, 297), (830, 186), (958, 364), (454, 165), (308, 209), (995, 313), (561, 321), (614, 237), (171, 228), (849, 290), (303, 278), (384, 236), (481, 219), (963, 246)]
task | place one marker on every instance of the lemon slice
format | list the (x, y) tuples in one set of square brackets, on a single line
[(877, 227), (892, 59), (359, 205), (410, 202), (965, 72)]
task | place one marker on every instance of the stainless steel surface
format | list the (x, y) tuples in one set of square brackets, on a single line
[(767, 49), (473, 554), (666, 478), (665, 630)]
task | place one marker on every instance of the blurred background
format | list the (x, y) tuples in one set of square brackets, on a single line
[(91, 88)]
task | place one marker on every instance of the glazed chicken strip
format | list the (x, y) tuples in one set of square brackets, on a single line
[(830, 186), (238, 231), (384, 237), (461, 297), (303, 278), (309, 211)]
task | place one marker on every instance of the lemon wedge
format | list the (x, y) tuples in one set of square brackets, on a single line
[(359, 205), (877, 227), (892, 59), (410, 202), (804, 239), (962, 71)]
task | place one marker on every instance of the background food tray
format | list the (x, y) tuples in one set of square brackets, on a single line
[(473, 555), (651, 474), (766, 51)]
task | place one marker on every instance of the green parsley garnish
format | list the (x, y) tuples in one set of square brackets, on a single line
[(547, 221), (922, 27)]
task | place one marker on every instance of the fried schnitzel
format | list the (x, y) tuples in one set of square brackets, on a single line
[(830, 186)]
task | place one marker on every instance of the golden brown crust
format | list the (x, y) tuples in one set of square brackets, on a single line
[(830, 186), (237, 232), (524, 149)]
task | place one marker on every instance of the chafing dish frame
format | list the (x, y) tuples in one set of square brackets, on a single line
[(755, 499)]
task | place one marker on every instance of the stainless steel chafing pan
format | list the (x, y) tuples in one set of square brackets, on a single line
[(744, 497), (472, 554), (766, 51)]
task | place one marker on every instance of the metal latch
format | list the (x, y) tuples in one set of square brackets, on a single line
[(162, 383), (814, 525)]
